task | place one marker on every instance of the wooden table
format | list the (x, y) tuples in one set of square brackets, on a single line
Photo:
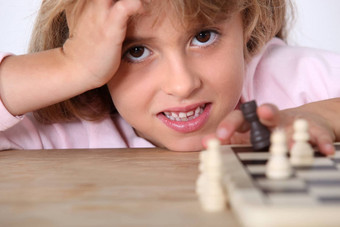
[(109, 187)]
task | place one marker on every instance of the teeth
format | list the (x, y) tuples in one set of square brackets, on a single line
[(198, 110), (190, 113), (182, 116), (174, 115)]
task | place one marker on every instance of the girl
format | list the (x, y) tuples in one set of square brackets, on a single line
[(133, 73)]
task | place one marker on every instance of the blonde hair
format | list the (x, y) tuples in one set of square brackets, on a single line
[(262, 20)]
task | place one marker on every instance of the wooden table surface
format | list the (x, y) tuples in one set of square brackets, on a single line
[(108, 187)]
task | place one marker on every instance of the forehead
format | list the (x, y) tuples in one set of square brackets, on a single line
[(188, 13)]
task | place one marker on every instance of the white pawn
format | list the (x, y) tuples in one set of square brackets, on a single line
[(202, 178), (302, 153), (278, 166), (214, 159), (212, 197), (209, 183)]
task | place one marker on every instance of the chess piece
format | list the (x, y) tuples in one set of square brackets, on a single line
[(209, 183), (302, 153), (202, 178), (259, 134), (278, 166)]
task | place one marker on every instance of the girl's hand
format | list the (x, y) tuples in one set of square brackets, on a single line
[(235, 130), (88, 59), (97, 31)]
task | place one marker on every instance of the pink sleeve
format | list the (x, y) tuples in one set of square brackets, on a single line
[(7, 119)]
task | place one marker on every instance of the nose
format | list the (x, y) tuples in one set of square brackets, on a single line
[(181, 79)]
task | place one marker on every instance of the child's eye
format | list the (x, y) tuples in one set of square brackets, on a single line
[(137, 54), (204, 38)]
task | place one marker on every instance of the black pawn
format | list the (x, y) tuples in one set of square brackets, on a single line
[(259, 134)]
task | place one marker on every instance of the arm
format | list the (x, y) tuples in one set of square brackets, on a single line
[(29, 82), (323, 118), (88, 59)]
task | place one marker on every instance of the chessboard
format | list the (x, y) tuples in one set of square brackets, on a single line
[(310, 197)]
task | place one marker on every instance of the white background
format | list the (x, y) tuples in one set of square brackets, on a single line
[(316, 24)]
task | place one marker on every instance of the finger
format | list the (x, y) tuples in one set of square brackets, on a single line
[(269, 115), (240, 138), (123, 10), (233, 122), (323, 139), (118, 18), (325, 145)]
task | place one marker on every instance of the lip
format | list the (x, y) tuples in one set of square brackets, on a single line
[(186, 126)]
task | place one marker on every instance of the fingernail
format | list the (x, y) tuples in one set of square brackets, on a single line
[(222, 133), (329, 149)]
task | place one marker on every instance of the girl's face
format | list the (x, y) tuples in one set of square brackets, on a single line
[(175, 84)]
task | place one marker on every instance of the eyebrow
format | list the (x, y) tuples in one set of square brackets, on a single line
[(130, 40)]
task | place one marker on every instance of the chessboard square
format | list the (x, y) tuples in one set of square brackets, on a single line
[(337, 147), (329, 200), (325, 191), (317, 154), (243, 149), (323, 182), (316, 168), (258, 176), (254, 162), (253, 156), (336, 155), (323, 161), (300, 199), (285, 185), (237, 180), (287, 191), (315, 175), (256, 169)]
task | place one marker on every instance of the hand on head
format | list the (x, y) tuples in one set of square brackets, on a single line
[(97, 29)]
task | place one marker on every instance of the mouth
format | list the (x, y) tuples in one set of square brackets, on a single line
[(187, 120), (185, 116)]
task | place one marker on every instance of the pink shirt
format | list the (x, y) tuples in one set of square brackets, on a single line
[(283, 75), (291, 76)]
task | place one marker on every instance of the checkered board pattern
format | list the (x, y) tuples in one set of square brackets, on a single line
[(311, 197)]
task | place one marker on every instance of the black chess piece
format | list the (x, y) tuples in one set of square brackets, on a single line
[(259, 134)]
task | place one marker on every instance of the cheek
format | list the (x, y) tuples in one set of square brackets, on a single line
[(226, 73), (116, 88), (121, 93), (131, 93)]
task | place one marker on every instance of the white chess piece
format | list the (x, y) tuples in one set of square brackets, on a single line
[(209, 183), (202, 178), (278, 166), (302, 153)]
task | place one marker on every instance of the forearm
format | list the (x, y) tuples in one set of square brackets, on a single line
[(30, 82)]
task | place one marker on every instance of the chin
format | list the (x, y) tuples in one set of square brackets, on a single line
[(176, 143), (185, 145)]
